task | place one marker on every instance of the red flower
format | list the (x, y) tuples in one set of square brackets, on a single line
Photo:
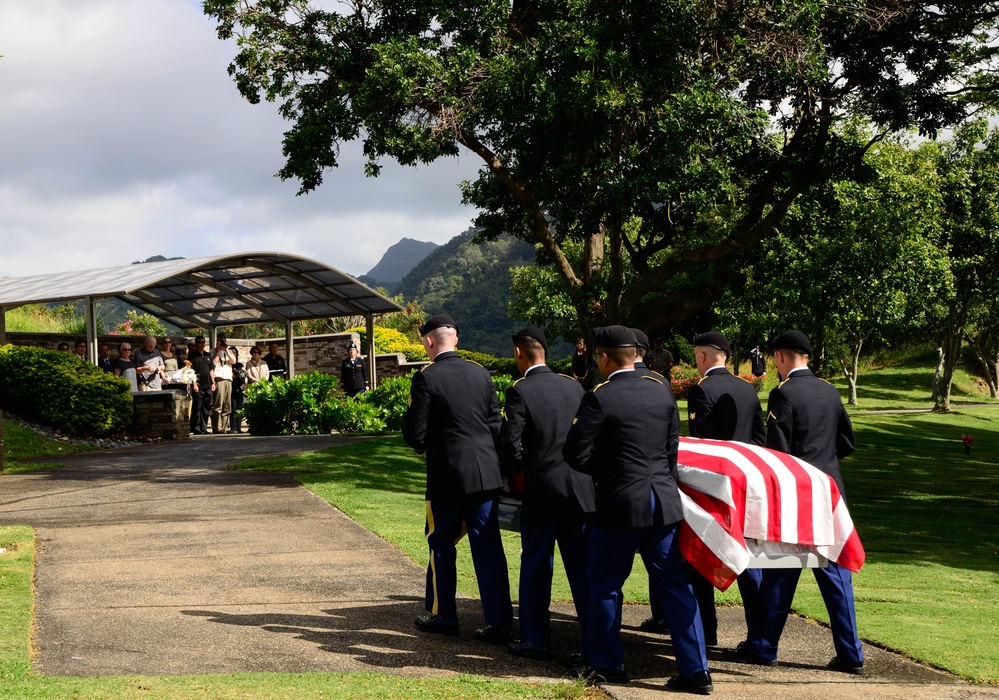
[(968, 440)]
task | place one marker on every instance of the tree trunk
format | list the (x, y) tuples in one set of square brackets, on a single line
[(957, 317), (937, 374), (853, 370), (987, 359)]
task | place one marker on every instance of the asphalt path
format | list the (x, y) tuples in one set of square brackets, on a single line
[(157, 560)]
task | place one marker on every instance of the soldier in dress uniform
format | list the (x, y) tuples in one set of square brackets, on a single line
[(626, 434), (353, 374), (656, 622), (723, 407), (454, 418), (556, 501), (807, 419)]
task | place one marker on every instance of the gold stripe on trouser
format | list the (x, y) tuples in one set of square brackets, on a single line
[(433, 567)]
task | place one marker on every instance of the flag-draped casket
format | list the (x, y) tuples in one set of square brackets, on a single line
[(733, 492)]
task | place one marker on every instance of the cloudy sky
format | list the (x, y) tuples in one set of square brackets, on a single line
[(122, 137)]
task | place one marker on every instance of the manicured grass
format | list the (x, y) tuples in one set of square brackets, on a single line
[(22, 443), (17, 680), (929, 518), (927, 515)]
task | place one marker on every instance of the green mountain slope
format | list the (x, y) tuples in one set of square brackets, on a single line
[(471, 283)]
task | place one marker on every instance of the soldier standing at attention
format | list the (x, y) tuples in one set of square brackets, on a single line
[(539, 412), (807, 420), (626, 434), (454, 418), (723, 407), (353, 375)]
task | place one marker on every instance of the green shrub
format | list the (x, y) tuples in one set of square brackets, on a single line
[(502, 382), (60, 390), (286, 407), (349, 416), (500, 365), (391, 398)]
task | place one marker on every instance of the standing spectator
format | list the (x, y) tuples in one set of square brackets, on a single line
[(659, 359), (170, 363), (807, 419), (757, 362), (223, 358), (724, 407), (256, 369), (454, 418), (201, 390), (104, 358), (581, 364), (557, 500), (80, 349), (238, 387), (62, 347), (626, 434), (353, 378), (149, 366), (124, 367), (275, 363)]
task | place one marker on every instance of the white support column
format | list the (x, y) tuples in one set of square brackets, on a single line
[(370, 329), (289, 340), (91, 321), (213, 333)]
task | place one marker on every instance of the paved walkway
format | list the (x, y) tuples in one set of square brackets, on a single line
[(156, 560)]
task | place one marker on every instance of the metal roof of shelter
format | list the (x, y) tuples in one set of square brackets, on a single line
[(211, 292)]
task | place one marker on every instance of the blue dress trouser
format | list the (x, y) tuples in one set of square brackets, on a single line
[(749, 587), (537, 562), (836, 586), (448, 520), (612, 554)]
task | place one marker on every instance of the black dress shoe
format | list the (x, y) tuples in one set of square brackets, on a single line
[(437, 625), (494, 634), (744, 655), (600, 675), (837, 664), (524, 650), (699, 684), (651, 624)]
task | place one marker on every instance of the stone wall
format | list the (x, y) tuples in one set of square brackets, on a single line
[(161, 414)]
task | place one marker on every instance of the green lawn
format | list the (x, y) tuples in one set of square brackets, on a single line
[(927, 515), (21, 443)]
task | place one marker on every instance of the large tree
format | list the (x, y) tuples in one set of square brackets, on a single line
[(969, 173), (658, 139), (856, 261)]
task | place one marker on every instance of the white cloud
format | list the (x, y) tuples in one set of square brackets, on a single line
[(122, 136)]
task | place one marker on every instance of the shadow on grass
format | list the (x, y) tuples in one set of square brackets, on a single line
[(385, 463), (914, 494)]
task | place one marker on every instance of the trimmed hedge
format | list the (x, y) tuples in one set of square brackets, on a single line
[(60, 390), (309, 404)]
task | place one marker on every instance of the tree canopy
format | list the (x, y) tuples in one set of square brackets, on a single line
[(656, 139)]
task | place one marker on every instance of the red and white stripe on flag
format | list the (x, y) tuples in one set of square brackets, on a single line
[(732, 491)]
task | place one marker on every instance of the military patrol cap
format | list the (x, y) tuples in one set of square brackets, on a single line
[(793, 340), (438, 321), (615, 337), (534, 333), (713, 340), (641, 338)]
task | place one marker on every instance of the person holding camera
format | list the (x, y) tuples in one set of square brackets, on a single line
[(223, 358)]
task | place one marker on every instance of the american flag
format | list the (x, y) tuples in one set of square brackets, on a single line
[(732, 491)]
